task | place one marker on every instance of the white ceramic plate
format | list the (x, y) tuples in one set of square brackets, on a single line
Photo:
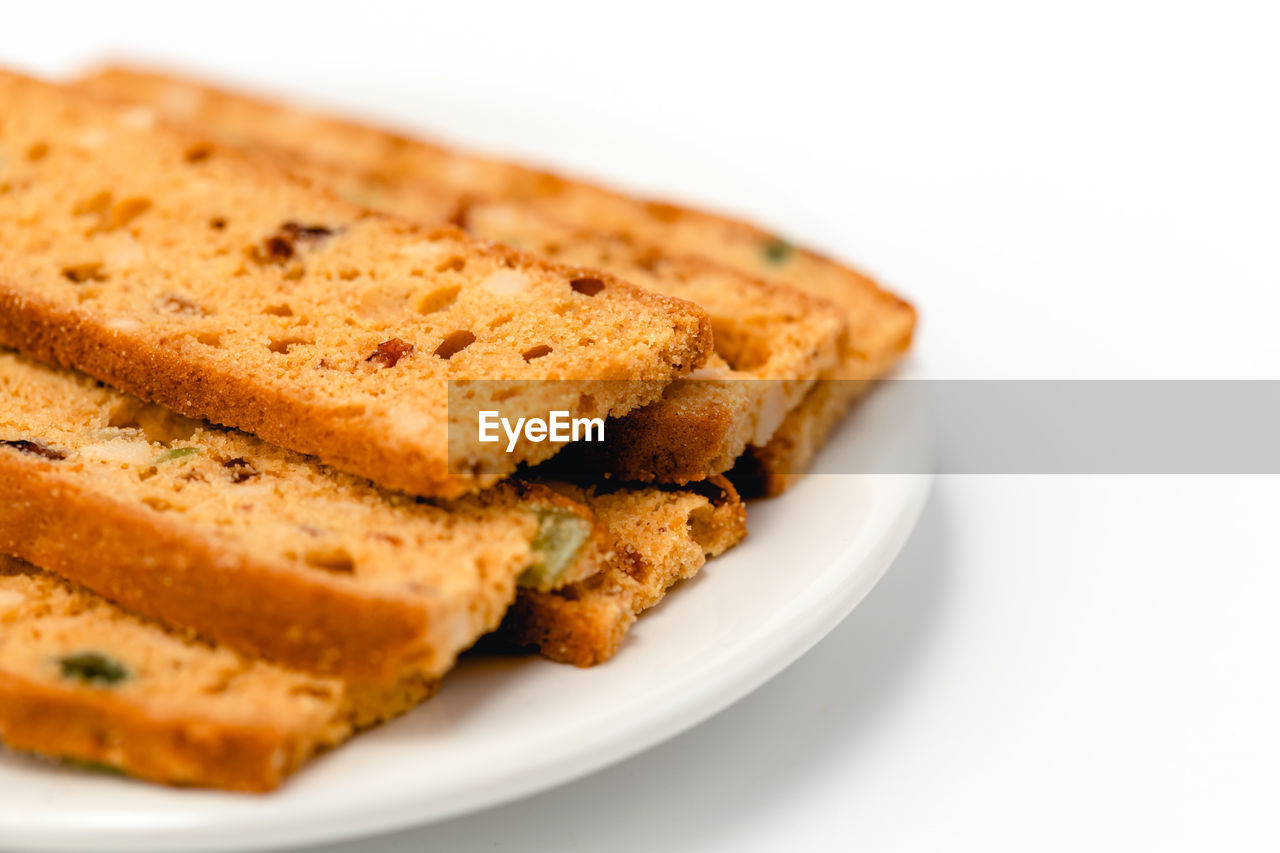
[(505, 728)]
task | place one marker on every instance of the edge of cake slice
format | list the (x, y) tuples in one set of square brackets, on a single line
[(261, 549), (209, 281), (661, 536), (763, 329), (83, 681)]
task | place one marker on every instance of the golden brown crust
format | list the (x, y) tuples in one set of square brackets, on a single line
[(194, 389), (392, 157), (764, 329), (661, 535), (581, 633), (218, 533), (696, 431), (285, 616), (100, 728), (292, 398), (159, 705)]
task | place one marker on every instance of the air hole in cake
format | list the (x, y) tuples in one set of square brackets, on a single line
[(439, 300), (500, 320), (702, 525), (349, 274), (284, 345), (209, 339), (634, 564), (385, 301), (217, 223), (158, 504), (97, 203), (198, 153), (38, 151), (587, 286), (336, 559), (536, 352), (503, 395), (454, 343), (454, 264), (79, 273), (124, 212), (389, 352), (551, 249), (281, 310)]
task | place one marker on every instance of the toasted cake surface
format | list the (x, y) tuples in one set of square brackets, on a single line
[(207, 281), (660, 537), (878, 319), (763, 330), (772, 342), (216, 531), (84, 680)]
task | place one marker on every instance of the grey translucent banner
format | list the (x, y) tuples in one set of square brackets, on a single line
[(982, 426), (1103, 427)]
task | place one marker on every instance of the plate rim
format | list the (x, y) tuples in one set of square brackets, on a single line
[(678, 707), (699, 695)]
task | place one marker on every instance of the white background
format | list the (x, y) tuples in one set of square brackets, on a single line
[(1087, 191)]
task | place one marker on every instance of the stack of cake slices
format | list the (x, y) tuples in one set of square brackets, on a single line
[(246, 512)]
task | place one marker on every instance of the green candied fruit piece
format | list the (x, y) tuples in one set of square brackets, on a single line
[(93, 667), (560, 534), (91, 766), (175, 453), (777, 251)]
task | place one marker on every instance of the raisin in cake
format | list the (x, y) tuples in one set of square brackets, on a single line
[(259, 548), (210, 282), (764, 330)]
